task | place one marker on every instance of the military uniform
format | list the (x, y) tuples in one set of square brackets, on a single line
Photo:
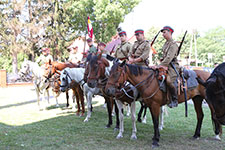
[(141, 49), (92, 49), (123, 50), (170, 50)]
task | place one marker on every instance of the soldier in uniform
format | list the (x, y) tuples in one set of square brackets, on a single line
[(140, 50), (92, 48), (169, 59), (101, 48), (44, 57), (123, 49)]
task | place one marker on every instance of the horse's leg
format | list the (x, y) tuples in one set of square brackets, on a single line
[(38, 96), (77, 100), (217, 126), (144, 116), (155, 109), (133, 118), (81, 98), (109, 109), (88, 95), (128, 110), (198, 109), (120, 107), (117, 114), (140, 112), (161, 124), (67, 98)]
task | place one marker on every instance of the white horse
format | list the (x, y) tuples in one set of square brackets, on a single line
[(41, 83), (77, 74)]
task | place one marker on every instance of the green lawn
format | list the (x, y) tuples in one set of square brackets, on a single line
[(24, 127)]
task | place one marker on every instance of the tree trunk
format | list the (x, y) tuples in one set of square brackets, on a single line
[(14, 63)]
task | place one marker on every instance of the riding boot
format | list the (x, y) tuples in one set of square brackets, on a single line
[(173, 92)]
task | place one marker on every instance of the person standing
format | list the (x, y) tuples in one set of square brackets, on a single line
[(123, 49), (92, 48), (140, 50), (169, 60)]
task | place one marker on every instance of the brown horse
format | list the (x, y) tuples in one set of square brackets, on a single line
[(91, 79), (53, 70), (98, 68), (146, 81)]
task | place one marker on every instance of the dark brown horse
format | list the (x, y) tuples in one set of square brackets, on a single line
[(53, 70), (146, 81), (215, 92), (92, 78)]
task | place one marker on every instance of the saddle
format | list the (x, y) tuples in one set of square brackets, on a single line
[(189, 77)]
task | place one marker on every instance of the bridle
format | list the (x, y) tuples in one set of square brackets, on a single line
[(65, 80)]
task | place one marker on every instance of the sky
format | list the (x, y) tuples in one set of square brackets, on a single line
[(181, 15)]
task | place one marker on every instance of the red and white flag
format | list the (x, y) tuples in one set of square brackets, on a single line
[(90, 29)]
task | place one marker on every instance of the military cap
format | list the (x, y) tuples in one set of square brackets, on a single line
[(89, 40), (101, 44), (168, 28), (138, 31), (122, 33)]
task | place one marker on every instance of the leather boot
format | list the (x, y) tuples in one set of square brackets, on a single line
[(173, 92)]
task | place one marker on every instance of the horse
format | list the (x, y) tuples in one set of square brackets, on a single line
[(145, 79), (77, 74), (215, 92), (54, 68), (41, 84), (98, 72)]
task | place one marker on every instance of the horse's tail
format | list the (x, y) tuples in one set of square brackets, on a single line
[(200, 81)]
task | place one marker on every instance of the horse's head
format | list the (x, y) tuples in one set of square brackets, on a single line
[(65, 80), (50, 69), (96, 70), (25, 68), (56, 84), (117, 78)]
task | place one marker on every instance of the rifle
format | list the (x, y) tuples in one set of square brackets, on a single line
[(182, 41), (153, 41)]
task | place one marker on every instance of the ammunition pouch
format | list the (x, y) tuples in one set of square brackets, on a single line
[(162, 71)]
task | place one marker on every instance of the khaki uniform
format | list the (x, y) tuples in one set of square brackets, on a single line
[(43, 59), (141, 49), (170, 50), (123, 50), (92, 49)]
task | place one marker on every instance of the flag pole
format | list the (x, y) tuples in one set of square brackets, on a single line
[(85, 37)]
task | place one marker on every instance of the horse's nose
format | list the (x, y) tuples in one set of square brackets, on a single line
[(62, 89), (110, 91), (92, 84)]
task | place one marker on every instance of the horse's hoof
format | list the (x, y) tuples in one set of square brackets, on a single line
[(116, 129), (86, 120), (119, 136), (57, 105), (82, 114), (139, 120), (108, 126), (144, 121), (195, 138), (155, 145), (133, 137), (160, 128), (217, 137)]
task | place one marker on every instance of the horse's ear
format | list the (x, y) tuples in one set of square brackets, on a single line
[(123, 63)]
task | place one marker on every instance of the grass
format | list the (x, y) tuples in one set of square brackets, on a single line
[(22, 126)]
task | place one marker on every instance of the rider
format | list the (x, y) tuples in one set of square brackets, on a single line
[(74, 55), (169, 59), (92, 48), (139, 53), (44, 57), (101, 48), (124, 48)]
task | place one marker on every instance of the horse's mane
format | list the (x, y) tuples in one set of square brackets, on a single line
[(93, 60), (135, 69)]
